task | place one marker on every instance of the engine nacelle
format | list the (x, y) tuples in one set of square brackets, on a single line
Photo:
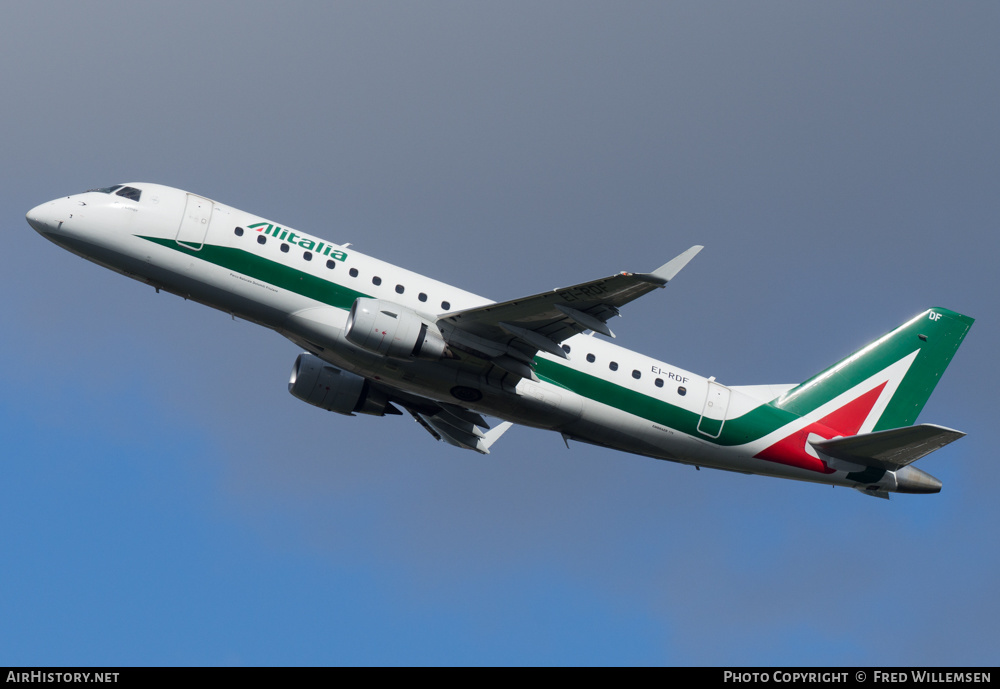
[(328, 387), (395, 331)]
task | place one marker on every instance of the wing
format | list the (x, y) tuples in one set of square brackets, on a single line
[(451, 423), (506, 336), (510, 333), (460, 432)]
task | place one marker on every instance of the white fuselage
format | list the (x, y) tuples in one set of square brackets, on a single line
[(141, 239)]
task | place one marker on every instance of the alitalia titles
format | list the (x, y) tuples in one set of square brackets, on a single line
[(307, 243)]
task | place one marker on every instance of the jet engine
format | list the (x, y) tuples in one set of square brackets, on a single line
[(394, 331), (328, 387)]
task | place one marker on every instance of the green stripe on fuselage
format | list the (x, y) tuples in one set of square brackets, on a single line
[(939, 342), (753, 425), (268, 271)]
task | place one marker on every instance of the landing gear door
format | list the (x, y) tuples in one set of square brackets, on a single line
[(194, 222), (713, 414)]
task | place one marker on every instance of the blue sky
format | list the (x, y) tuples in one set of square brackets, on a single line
[(165, 501)]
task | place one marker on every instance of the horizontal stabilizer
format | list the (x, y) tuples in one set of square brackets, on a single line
[(891, 449)]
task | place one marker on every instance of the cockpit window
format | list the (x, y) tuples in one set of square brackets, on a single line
[(107, 190), (130, 193)]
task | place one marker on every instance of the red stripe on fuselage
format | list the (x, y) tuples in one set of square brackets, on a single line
[(842, 422)]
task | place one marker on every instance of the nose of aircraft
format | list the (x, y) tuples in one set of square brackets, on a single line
[(45, 218)]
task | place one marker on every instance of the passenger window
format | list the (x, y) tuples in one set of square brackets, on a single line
[(331, 264), (446, 305), (238, 231), (682, 391), (659, 382), (307, 255), (284, 248), (354, 272), (613, 365), (399, 289), (376, 280), (591, 358), (422, 297), (565, 348), (636, 375), (261, 239)]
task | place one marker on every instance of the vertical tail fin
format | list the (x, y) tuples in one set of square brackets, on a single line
[(887, 382)]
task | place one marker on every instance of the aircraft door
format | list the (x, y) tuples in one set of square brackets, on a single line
[(713, 414), (194, 222)]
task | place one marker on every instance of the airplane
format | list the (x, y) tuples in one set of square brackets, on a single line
[(381, 340)]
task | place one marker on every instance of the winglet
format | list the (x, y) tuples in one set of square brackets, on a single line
[(668, 270), (491, 436), (452, 429)]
